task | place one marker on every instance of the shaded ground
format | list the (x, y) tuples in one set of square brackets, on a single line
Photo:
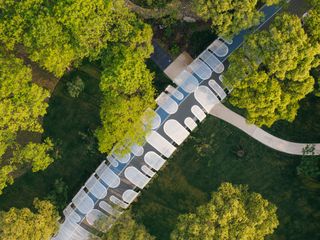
[(70, 123), (306, 126), (209, 158)]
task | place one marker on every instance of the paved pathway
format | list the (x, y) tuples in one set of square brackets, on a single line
[(160, 56), (224, 113)]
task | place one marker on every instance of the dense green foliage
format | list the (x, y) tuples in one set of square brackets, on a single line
[(310, 164), (23, 224), (125, 228), (70, 123), (75, 87), (126, 83), (152, 3), (60, 33), (22, 103), (229, 17), (232, 213), (271, 72)]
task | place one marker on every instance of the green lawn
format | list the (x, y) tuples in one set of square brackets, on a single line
[(70, 123), (209, 158)]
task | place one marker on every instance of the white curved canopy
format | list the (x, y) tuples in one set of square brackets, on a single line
[(147, 171), (200, 69), (167, 103), (137, 150), (122, 159), (198, 113), (160, 143), (219, 48), (206, 97), (83, 202), (109, 178), (96, 188), (119, 202), (216, 87), (174, 92), (93, 216), (154, 160), (190, 84), (112, 161), (107, 207), (175, 131), (136, 177), (129, 195), (212, 61), (190, 123)]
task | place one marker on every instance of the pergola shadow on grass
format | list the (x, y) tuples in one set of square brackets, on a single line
[(70, 123), (216, 153)]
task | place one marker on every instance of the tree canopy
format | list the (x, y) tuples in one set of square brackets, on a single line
[(22, 103), (229, 17), (271, 72), (60, 34), (23, 224), (125, 228), (126, 83), (232, 213)]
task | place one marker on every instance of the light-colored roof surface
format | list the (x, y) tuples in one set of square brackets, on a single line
[(107, 207), (167, 103), (216, 87), (136, 177), (96, 188), (154, 160), (174, 92), (219, 48), (137, 150), (94, 215), (147, 171), (119, 202), (180, 63), (190, 123), (175, 131), (200, 69), (206, 98), (161, 144), (198, 113), (122, 159), (112, 161), (83, 202), (109, 178), (212, 61), (129, 195), (190, 83)]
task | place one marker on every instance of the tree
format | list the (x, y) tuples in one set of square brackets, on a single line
[(232, 213), (23, 224), (22, 103), (271, 72), (75, 87), (229, 17), (310, 163), (125, 228), (35, 154), (311, 24), (59, 34), (48, 44), (127, 87)]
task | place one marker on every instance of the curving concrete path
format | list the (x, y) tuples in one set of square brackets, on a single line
[(224, 113)]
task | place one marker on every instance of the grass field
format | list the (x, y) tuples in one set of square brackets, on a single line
[(209, 158), (70, 123)]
